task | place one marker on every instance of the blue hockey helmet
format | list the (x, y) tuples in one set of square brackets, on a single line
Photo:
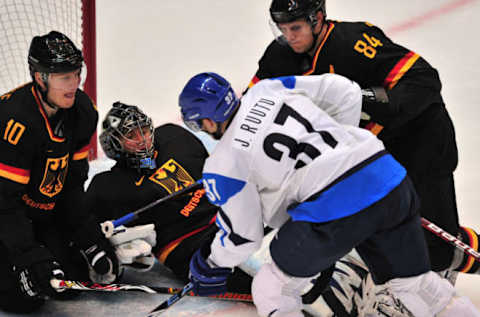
[(207, 96)]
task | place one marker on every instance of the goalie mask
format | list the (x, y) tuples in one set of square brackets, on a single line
[(127, 136)]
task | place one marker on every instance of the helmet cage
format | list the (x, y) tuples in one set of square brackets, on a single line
[(119, 122)]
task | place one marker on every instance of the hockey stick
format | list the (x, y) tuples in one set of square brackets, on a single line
[(109, 226), (169, 302), (88, 286), (439, 232)]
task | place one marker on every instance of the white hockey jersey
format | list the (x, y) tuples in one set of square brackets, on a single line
[(294, 150)]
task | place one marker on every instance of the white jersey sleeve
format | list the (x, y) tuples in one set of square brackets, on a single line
[(226, 181), (338, 96)]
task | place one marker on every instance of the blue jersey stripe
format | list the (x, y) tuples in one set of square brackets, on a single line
[(354, 193)]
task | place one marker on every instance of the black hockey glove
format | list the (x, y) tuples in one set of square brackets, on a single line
[(99, 253), (34, 270), (103, 265), (375, 103)]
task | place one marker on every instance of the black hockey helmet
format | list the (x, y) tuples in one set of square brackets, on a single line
[(284, 11), (118, 122), (53, 53)]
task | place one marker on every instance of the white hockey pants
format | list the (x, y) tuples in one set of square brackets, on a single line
[(277, 294)]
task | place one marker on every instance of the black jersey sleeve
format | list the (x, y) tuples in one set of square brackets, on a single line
[(17, 147), (370, 58), (414, 93)]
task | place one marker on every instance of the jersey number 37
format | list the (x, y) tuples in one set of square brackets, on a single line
[(294, 147)]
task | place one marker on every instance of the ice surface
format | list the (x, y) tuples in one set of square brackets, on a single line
[(93, 303)]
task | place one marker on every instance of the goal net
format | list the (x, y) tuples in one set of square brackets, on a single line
[(21, 20)]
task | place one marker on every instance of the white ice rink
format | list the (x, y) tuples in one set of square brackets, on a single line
[(148, 49)]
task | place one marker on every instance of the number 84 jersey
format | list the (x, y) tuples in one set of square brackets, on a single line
[(294, 150)]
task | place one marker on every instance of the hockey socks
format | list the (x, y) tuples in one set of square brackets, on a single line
[(463, 262)]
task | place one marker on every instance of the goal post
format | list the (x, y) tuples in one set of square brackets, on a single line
[(21, 20), (89, 48)]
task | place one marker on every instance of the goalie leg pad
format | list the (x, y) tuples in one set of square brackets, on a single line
[(424, 295), (459, 306), (276, 293)]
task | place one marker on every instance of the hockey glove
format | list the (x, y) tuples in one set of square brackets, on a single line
[(206, 277), (103, 265), (133, 246), (34, 270)]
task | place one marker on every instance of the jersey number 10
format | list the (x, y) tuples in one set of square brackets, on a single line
[(13, 132)]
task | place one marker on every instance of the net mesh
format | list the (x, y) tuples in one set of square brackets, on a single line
[(20, 21)]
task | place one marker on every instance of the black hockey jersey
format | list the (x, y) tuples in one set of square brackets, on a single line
[(43, 161), (179, 157), (363, 53)]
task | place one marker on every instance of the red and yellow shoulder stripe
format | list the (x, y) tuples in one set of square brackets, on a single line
[(15, 174), (397, 72)]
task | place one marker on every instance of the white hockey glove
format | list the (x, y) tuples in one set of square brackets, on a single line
[(133, 246)]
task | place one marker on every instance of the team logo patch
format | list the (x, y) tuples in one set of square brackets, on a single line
[(172, 176), (54, 176)]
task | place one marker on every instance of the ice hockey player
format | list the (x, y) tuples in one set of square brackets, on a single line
[(46, 126), (290, 156), (402, 105), (150, 164)]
